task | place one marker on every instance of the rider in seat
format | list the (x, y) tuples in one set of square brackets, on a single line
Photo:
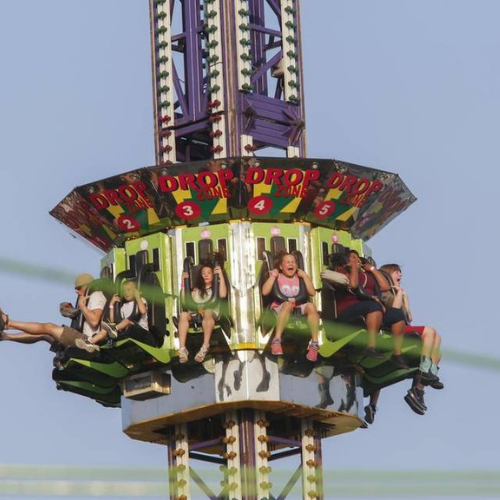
[(133, 312), (291, 288), (203, 299)]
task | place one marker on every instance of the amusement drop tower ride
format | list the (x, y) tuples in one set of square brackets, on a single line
[(227, 84)]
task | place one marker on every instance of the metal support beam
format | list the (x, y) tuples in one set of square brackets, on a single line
[(311, 466), (227, 78), (178, 460), (233, 457), (242, 451)]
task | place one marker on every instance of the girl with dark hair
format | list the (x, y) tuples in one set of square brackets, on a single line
[(201, 294)]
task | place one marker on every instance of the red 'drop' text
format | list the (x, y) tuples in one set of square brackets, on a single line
[(133, 196)]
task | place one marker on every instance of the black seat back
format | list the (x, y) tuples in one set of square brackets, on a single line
[(187, 302), (149, 284)]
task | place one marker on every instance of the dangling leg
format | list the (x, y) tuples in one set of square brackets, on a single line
[(284, 313), (398, 331), (415, 396), (436, 349), (208, 324), (313, 321), (371, 408), (282, 319), (37, 329), (373, 324), (182, 330), (24, 338), (435, 359)]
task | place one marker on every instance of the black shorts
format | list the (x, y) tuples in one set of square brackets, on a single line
[(392, 316), (354, 312)]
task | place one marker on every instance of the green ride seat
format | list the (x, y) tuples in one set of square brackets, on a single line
[(107, 396)]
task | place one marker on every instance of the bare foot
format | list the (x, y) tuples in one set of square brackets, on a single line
[(4, 324)]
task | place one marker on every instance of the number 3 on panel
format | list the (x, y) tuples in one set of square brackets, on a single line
[(188, 210)]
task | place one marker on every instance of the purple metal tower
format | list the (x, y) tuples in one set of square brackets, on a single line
[(227, 78)]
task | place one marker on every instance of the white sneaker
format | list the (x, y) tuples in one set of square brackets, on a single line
[(87, 345)]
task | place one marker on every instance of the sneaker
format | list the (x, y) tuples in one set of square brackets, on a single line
[(437, 384), (413, 402), (110, 329), (87, 345), (370, 411), (312, 352), (428, 378), (399, 362), (372, 353), (276, 347), (420, 397)]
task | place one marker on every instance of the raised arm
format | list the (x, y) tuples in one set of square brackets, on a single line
[(141, 305), (268, 285), (406, 303), (398, 297), (309, 284), (185, 276), (114, 300), (222, 282), (353, 276), (379, 277), (92, 316)]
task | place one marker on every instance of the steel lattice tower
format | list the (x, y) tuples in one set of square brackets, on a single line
[(227, 78), (227, 81)]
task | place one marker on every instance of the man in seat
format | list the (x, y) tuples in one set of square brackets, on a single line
[(91, 306)]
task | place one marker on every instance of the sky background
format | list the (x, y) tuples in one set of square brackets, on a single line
[(404, 86)]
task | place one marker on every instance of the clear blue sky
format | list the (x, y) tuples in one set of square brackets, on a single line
[(409, 87)]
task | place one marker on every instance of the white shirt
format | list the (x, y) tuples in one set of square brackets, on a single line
[(128, 308), (196, 296), (97, 301)]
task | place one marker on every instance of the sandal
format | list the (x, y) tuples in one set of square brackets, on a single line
[(183, 355), (200, 357), (4, 321)]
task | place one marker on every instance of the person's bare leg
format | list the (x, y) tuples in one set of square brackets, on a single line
[(208, 324), (398, 331), (31, 328), (25, 338), (282, 319), (99, 337), (373, 323), (124, 323), (312, 320), (374, 397), (182, 328), (371, 408), (428, 340), (436, 349)]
